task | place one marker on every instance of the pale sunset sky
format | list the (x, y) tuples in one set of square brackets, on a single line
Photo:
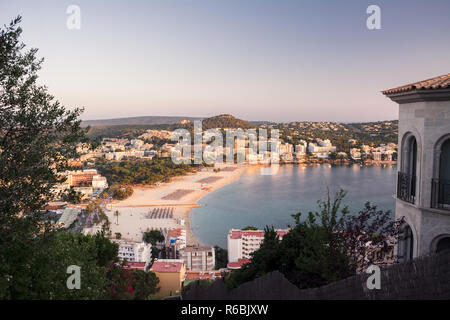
[(279, 60)]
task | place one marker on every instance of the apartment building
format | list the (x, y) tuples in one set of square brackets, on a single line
[(134, 251), (241, 243), (199, 257)]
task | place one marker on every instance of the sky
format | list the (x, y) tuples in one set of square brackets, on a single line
[(273, 60)]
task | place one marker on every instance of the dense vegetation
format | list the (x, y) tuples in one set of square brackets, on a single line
[(142, 172), (370, 133), (327, 246), (37, 136), (221, 257), (225, 121), (121, 192)]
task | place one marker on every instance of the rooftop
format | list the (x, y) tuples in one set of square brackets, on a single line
[(167, 265), (200, 275), (238, 264), (237, 234), (135, 265), (440, 82), (198, 248)]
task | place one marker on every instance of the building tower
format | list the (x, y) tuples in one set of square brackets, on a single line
[(423, 184)]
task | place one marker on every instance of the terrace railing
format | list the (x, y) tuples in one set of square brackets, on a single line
[(440, 194), (406, 186)]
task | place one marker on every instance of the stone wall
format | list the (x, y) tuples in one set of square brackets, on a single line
[(422, 278)]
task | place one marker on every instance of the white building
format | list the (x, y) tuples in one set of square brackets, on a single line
[(423, 186), (355, 153), (99, 183), (176, 237), (134, 251), (243, 242), (322, 149), (136, 143), (199, 257), (301, 148)]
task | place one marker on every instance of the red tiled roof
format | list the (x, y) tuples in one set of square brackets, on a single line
[(135, 265), (238, 264), (201, 275), (163, 266), (175, 233), (440, 82)]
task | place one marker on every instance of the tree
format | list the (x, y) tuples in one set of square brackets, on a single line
[(117, 214), (121, 281), (326, 246), (153, 237), (221, 257), (144, 284), (250, 228), (72, 196), (368, 230), (45, 274), (37, 137)]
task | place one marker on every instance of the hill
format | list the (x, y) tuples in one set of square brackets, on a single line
[(225, 121)]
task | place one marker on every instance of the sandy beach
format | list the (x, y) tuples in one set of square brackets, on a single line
[(168, 205)]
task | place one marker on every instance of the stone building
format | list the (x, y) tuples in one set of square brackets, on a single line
[(423, 185)]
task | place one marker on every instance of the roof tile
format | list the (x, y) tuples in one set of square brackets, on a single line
[(439, 82)]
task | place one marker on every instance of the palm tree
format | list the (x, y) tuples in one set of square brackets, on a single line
[(117, 214)]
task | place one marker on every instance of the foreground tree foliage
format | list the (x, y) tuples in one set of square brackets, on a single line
[(327, 246), (221, 257), (37, 137)]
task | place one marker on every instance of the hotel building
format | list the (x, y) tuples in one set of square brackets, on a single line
[(241, 243)]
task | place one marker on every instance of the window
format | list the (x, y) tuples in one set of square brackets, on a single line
[(406, 244), (406, 182), (440, 189), (443, 245)]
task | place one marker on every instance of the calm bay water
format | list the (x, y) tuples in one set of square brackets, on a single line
[(261, 200)]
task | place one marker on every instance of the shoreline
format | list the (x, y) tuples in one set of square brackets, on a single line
[(181, 194)]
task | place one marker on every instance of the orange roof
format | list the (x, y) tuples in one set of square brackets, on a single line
[(201, 275), (175, 233), (440, 82), (238, 264), (166, 266)]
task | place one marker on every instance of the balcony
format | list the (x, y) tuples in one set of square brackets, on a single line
[(440, 194), (406, 186)]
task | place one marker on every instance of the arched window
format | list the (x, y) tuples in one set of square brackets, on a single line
[(406, 244), (443, 245), (406, 184), (440, 192)]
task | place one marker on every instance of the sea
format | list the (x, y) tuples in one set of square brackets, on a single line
[(258, 199)]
